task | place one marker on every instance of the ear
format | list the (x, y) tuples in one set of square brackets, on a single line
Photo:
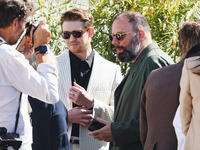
[(14, 26), (91, 32), (15, 22), (141, 34)]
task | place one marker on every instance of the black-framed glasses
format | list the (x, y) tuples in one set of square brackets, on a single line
[(76, 34), (119, 36)]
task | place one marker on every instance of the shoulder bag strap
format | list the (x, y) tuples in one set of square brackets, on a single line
[(17, 115)]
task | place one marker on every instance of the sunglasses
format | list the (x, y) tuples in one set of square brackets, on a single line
[(119, 36), (76, 34)]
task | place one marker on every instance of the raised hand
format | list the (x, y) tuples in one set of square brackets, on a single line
[(42, 34), (79, 95)]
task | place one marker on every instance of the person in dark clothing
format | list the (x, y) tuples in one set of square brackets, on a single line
[(49, 123), (131, 36), (160, 98)]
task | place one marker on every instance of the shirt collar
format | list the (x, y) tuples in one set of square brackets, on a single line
[(89, 59), (145, 51), (76, 61)]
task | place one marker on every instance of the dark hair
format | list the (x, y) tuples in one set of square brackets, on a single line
[(11, 9), (194, 51), (78, 14), (136, 19), (189, 36)]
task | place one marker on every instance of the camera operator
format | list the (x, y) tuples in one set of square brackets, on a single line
[(16, 75)]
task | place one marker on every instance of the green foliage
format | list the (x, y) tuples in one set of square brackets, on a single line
[(51, 11), (164, 17)]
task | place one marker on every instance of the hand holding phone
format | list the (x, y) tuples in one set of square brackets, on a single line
[(95, 125)]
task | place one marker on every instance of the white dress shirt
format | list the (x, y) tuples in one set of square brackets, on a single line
[(177, 126), (16, 75)]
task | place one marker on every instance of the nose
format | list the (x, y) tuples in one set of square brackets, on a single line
[(72, 38), (115, 41)]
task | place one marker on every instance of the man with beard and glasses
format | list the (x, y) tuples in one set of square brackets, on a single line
[(16, 74), (87, 81), (131, 37)]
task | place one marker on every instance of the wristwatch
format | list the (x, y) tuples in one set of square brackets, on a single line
[(42, 49)]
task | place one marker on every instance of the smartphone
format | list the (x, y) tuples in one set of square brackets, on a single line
[(95, 125)]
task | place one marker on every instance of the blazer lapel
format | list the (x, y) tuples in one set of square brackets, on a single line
[(121, 90), (65, 77), (118, 94), (95, 74)]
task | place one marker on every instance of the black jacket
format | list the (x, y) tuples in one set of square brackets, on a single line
[(49, 123)]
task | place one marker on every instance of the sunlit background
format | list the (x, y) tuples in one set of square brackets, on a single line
[(165, 18)]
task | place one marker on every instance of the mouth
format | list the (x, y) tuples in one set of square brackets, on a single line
[(119, 49), (73, 44)]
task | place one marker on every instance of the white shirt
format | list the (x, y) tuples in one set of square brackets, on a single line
[(177, 126), (16, 75)]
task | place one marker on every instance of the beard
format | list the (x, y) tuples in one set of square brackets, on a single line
[(15, 37), (130, 52)]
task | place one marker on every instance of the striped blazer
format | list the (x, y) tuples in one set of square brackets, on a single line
[(104, 79)]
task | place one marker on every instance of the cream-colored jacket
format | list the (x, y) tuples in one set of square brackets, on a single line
[(190, 102), (104, 79)]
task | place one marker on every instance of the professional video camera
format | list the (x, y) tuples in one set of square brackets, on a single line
[(9, 140)]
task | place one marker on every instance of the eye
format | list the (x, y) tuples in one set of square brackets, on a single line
[(66, 35), (119, 36), (77, 34), (111, 37)]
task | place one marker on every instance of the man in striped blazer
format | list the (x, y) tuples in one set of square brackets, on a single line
[(86, 80)]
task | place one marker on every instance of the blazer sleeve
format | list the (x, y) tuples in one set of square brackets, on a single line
[(185, 99), (106, 110), (59, 127), (123, 132)]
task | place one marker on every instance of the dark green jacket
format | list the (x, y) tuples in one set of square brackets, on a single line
[(125, 128)]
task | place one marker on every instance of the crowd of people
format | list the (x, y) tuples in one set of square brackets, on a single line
[(48, 102)]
